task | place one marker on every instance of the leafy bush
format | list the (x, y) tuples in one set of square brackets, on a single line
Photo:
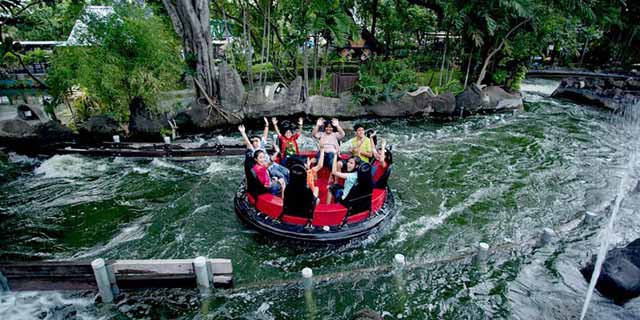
[(131, 54), (383, 81)]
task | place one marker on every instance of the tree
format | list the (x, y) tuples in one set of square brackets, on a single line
[(190, 19)]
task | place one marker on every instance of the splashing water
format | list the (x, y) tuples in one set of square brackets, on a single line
[(606, 234)]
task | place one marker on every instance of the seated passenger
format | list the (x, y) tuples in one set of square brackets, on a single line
[(381, 164), (360, 145), (299, 200), (350, 177), (276, 186), (312, 171), (328, 138), (259, 143), (288, 141)]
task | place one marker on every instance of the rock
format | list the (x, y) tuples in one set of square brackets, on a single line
[(53, 131), (143, 123), (232, 93), (200, 118), (501, 100), (16, 129), (295, 94), (443, 104), (331, 107), (610, 94), (100, 128), (620, 275), (471, 100), (367, 314), (405, 106), (422, 90)]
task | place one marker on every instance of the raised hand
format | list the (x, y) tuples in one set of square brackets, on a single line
[(241, 128), (335, 123), (320, 122), (300, 121), (274, 121), (266, 122)]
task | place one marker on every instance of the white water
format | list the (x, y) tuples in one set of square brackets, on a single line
[(607, 233)]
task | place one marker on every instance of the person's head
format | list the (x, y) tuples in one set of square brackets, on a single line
[(388, 156), (352, 163), (288, 129), (359, 129), (260, 157), (255, 142), (328, 127)]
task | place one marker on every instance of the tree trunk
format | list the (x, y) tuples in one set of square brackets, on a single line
[(323, 73), (266, 73), (444, 57), (466, 77), (190, 19), (374, 18), (305, 68), (264, 35), (483, 70), (249, 50), (315, 64)]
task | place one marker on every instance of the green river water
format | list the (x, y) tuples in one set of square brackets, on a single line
[(497, 179)]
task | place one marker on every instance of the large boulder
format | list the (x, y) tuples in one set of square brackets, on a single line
[(231, 88), (53, 131), (143, 123), (501, 100), (471, 100), (16, 129), (331, 107), (442, 104), (407, 105), (620, 275), (610, 94), (201, 118), (100, 128), (31, 113)]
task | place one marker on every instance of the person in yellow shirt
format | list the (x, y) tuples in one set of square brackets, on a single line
[(360, 145)]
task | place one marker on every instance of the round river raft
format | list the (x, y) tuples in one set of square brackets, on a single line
[(329, 223)]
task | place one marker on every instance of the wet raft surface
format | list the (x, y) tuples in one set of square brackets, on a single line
[(503, 180)]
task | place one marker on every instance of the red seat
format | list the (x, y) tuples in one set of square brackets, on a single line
[(329, 215), (377, 199), (358, 217), (294, 220), (269, 205), (251, 199)]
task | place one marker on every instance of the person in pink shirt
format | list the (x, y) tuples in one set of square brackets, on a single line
[(329, 138), (275, 186)]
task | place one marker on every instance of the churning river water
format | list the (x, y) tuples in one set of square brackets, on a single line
[(498, 179)]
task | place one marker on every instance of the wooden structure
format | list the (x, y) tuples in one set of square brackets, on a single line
[(121, 274), (341, 82)]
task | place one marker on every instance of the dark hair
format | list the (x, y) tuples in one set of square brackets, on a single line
[(256, 154), (388, 156), (357, 160), (255, 137), (327, 123), (358, 126)]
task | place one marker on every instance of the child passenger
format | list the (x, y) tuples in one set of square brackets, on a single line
[(361, 145), (383, 159), (328, 138), (350, 179), (312, 172), (276, 186), (256, 143), (288, 141)]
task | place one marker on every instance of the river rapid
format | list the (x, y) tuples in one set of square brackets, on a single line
[(498, 179)]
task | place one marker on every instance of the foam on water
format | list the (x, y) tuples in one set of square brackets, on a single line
[(45, 305), (164, 164), (66, 166), (134, 231), (18, 158)]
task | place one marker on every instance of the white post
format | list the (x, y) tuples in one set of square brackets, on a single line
[(482, 252), (116, 138), (590, 217), (399, 261), (307, 278), (167, 140), (102, 279), (547, 236), (202, 278)]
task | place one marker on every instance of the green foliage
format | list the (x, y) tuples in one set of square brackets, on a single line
[(131, 55), (383, 81)]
